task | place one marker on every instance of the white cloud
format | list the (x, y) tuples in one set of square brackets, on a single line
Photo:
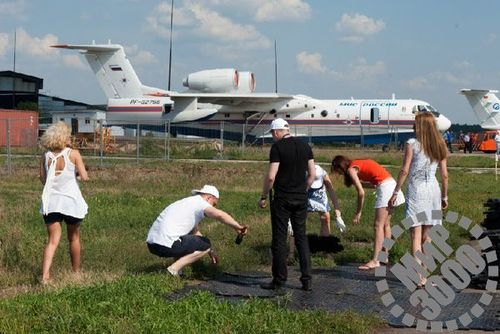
[(212, 24), (490, 39), (143, 58), (357, 27), (4, 43), (418, 83), (13, 9), (282, 10), (310, 63), (360, 71), (36, 46), (74, 61), (195, 17), (159, 19)]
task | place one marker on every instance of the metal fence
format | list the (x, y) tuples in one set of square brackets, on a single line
[(101, 142)]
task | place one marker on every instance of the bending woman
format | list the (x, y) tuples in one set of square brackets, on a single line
[(423, 155), (368, 173)]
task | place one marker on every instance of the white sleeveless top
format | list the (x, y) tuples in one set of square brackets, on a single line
[(61, 192)]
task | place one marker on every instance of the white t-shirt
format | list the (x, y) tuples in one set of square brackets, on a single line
[(320, 174), (177, 220), (497, 139)]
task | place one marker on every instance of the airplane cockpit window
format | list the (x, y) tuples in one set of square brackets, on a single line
[(426, 108)]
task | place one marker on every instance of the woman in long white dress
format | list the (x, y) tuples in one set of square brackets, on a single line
[(423, 155)]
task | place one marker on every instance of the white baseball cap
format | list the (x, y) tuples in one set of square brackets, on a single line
[(207, 189), (279, 124)]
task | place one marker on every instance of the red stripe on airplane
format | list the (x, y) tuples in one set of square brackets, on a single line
[(135, 109)]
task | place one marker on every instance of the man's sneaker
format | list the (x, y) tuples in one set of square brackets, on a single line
[(307, 285), (273, 285)]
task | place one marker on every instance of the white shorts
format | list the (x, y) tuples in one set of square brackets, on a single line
[(384, 193)]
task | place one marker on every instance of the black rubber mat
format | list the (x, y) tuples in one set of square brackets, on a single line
[(346, 288)]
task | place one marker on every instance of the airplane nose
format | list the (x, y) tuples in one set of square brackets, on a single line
[(443, 123)]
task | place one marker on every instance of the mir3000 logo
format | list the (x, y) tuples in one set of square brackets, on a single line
[(455, 272)]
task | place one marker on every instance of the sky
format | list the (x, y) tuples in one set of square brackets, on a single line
[(326, 49)]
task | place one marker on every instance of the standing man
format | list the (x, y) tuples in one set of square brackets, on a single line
[(467, 146), (175, 232), (291, 172), (449, 140)]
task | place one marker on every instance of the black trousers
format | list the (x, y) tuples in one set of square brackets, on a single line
[(281, 211)]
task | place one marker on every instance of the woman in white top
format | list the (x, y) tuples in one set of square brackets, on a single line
[(422, 157), (61, 197), (318, 201)]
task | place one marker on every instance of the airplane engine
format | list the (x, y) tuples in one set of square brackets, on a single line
[(224, 80), (247, 82)]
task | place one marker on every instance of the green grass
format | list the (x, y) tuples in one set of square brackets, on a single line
[(137, 304), (123, 287)]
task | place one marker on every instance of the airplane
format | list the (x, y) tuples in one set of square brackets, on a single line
[(227, 95), (485, 105)]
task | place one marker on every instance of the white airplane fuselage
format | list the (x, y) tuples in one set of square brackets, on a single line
[(226, 95), (378, 121)]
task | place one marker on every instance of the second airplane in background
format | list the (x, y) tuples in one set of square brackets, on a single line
[(213, 96)]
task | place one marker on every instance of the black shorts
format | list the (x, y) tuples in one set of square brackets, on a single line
[(55, 217), (187, 245)]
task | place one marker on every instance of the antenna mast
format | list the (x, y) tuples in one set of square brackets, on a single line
[(275, 69), (170, 54), (14, 74)]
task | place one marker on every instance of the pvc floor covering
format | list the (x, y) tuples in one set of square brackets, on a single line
[(347, 288)]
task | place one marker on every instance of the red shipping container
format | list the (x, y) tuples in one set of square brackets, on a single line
[(23, 126)]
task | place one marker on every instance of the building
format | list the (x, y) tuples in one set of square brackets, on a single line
[(82, 118), (16, 88)]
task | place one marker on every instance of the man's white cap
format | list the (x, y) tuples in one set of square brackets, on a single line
[(279, 124), (207, 189)]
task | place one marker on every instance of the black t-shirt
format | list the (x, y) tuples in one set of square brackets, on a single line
[(293, 156)]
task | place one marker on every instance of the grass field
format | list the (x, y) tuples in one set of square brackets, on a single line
[(122, 288)]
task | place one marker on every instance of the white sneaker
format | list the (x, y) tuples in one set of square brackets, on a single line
[(173, 272)]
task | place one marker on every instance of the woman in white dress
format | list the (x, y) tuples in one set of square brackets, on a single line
[(423, 155), (61, 197)]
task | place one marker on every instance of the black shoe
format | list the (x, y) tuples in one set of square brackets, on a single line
[(273, 285), (307, 285)]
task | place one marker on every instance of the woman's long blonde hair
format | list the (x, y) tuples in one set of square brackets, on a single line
[(429, 137), (56, 136)]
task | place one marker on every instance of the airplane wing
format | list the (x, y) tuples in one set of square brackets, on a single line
[(87, 47), (234, 99)]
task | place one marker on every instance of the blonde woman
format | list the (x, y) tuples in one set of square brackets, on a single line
[(423, 155), (61, 197)]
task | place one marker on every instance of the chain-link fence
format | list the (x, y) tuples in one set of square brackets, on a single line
[(122, 141)]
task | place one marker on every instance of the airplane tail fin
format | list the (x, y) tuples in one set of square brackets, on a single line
[(485, 105), (112, 69)]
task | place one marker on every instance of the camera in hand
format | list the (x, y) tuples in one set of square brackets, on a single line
[(239, 237)]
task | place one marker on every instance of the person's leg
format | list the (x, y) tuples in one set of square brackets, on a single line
[(74, 245), (423, 239), (280, 215), (380, 227), (54, 236), (324, 218), (189, 249), (298, 218), (186, 260)]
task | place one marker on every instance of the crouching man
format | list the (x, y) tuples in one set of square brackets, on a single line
[(175, 232)]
